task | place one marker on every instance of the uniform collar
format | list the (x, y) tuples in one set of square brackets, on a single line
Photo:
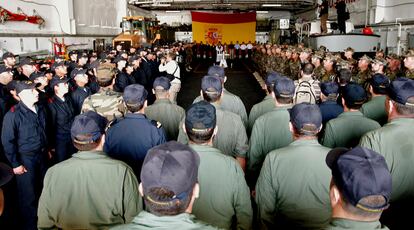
[(26, 109), (162, 101), (351, 113), (150, 219), (352, 224), (305, 142), (268, 97), (401, 120), (283, 107), (135, 115), (90, 155)]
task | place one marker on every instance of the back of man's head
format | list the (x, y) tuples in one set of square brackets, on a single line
[(168, 177), (306, 119), (344, 76), (212, 88), (401, 92), (217, 71), (200, 122), (105, 74), (307, 68), (284, 90), (354, 96), (361, 183)]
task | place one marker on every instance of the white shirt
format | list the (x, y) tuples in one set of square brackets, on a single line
[(243, 47), (169, 67), (249, 46), (237, 46)]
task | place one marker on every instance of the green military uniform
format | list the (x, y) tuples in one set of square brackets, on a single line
[(294, 67), (395, 142), (183, 221), (286, 67), (319, 72), (270, 131), (267, 105), (347, 129), (231, 103), (169, 114), (409, 74), (338, 224), (231, 136), (89, 202), (375, 109), (392, 75), (362, 76), (224, 196), (292, 191), (107, 103), (328, 76)]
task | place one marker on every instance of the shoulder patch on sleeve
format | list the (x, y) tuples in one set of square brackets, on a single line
[(13, 109), (156, 124)]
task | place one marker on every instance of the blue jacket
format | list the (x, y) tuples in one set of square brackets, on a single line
[(129, 138), (24, 132)]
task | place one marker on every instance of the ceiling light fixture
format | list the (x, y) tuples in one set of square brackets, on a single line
[(272, 5), (172, 11), (262, 12), (221, 4)]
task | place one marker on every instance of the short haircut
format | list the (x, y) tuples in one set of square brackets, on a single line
[(284, 100), (211, 96), (104, 83), (87, 146), (167, 208), (405, 109), (133, 108), (308, 68), (199, 137), (352, 105), (161, 92), (344, 76), (370, 201)]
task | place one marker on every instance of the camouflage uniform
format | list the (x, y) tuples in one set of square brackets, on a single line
[(362, 76), (107, 103), (409, 74), (294, 67), (328, 76), (319, 72), (392, 75)]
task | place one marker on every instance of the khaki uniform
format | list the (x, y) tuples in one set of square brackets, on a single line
[(292, 191), (339, 224), (347, 129), (231, 136), (224, 196), (146, 221), (270, 132), (375, 110), (169, 114), (106, 103), (392, 75), (231, 103), (267, 105), (328, 76)]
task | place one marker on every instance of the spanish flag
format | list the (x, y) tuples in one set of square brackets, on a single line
[(213, 28)]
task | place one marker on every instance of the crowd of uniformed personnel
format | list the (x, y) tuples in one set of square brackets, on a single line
[(92, 142)]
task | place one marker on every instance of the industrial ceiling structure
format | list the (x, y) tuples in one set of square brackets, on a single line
[(237, 5)]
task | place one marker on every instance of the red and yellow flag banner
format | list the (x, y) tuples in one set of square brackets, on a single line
[(213, 28)]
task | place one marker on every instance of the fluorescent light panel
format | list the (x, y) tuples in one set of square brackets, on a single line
[(172, 11), (272, 5), (262, 12)]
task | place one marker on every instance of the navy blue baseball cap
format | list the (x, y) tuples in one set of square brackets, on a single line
[(77, 72), (7, 55), (26, 61), (401, 90), (173, 166), (56, 81), (36, 75), (306, 118), (380, 83), (22, 85), (329, 88), (56, 65), (284, 87), (271, 78), (217, 71), (359, 173), (161, 83), (88, 127), (354, 94), (211, 84), (201, 116), (135, 94)]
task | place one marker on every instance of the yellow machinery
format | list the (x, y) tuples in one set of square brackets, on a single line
[(137, 31)]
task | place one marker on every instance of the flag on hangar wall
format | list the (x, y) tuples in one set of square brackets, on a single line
[(213, 28)]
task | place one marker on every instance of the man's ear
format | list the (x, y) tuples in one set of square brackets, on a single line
[(291, 129), (334, 195), (273, 95), (225, 79), (201, 93), (141, 189), (185, 131), (196, 190), (153, 91)]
